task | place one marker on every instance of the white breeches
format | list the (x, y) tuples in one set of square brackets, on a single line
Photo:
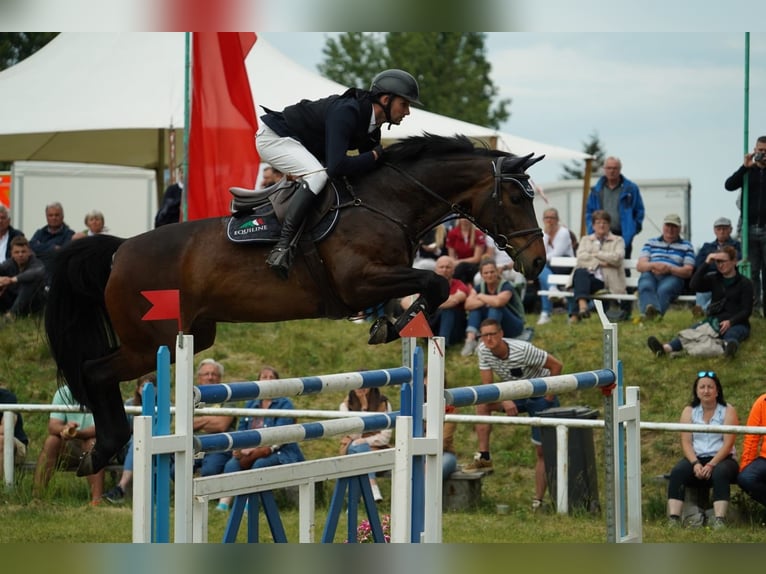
[(290, 157)]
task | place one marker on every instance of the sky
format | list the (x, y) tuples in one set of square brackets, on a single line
[(669, 105)]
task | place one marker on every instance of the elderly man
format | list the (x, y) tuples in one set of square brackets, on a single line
[(722, 231), (7, 233), (665, 263), (53, 236)]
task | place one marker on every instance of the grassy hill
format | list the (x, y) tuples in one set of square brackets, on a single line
[(320, 346)]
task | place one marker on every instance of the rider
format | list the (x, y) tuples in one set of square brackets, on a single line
[(310, 139)]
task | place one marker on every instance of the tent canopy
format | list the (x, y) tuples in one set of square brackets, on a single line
[(113, 97)]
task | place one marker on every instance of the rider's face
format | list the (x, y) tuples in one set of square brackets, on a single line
[(400, 108)]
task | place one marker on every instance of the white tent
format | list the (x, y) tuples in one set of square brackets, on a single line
[(113, 97)]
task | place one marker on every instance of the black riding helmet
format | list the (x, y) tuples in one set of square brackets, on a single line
[(396, 82)]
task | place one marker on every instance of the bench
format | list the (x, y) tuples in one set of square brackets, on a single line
[(462, 491), (561, 280)]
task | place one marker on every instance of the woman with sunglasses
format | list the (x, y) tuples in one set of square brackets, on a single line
[(708, 457)]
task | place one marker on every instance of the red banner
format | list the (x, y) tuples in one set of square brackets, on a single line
[(166, 304), (223, 123)]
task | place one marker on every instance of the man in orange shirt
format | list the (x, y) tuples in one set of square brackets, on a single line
[(752, 467)]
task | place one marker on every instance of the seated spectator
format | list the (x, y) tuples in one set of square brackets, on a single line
[(665, 263), (117, 494), (496, 299), (505, 266), (7, 233), (210, 372), (466, 245), (722, 230), (70, 434), (600, 259), (730, 308), (367, 400), (430, 247), (170, 206), (449, 320), (270, 176), (22, 281), (94, 224), (20, 440), (263, 456), (708, 457), (752, 466), (558, 243), (47, 240)]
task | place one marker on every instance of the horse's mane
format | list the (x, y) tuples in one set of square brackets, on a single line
[(430, 145)]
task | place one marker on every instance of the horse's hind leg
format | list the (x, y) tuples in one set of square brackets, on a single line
[(112, 428)]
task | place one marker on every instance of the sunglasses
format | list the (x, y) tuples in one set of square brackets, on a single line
[(708, 374)]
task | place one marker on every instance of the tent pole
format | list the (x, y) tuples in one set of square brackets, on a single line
[(585, 193)]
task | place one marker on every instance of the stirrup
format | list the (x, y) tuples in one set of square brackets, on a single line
[(280, 260)]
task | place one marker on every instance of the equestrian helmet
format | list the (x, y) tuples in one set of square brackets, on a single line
[(398, 83)]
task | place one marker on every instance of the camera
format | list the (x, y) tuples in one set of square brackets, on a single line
[(760, 156)]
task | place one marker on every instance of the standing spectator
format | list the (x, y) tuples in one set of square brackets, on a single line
[(665, 263), (7, 233), (22, 281), (600, 259), (708, 457), (752, 466), (754, 168), (367, 400), (621, 198), (508, 360), (731, 305), (70, 434), (20, 440), (263, 456), (494, 298), (558, 243), (466, 245), (210, 372), (170, 207), (722, 231), (94, 224), (49, 239)]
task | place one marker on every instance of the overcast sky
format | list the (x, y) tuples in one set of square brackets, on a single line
[(670, 105)]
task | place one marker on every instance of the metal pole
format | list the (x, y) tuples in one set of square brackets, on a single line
[(745, 264)]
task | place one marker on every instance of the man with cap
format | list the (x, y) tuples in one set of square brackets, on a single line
[(722, 231), (665, 263)]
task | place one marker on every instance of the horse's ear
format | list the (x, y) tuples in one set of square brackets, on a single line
[(531, 161), (515, 163)]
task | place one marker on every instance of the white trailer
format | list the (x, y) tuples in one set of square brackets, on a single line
[(127, 196)]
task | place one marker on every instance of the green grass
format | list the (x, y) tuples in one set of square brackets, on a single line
[(319, 347)]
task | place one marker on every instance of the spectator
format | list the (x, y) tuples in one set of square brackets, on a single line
[(665, 263), (621, 198), (311, 139), (22, 281), (70, 434), (497, 299), (752, 466), (558, 243), (722, 230), (510, 359), (600, 259), (430, 247), (20, 440), (731, 305), (466, 245), (367, 400), (270, 176), (117, 494), (170, 207), (263, 456), (449, 320), (210, 372), (94, 224), (754, 168), (47, 240), (708, 457), (7, 233), (505, 266)]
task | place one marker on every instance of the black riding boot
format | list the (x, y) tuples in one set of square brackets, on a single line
[(281, 257)]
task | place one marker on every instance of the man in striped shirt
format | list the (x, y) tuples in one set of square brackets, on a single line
[(511, 359), (665, 263)]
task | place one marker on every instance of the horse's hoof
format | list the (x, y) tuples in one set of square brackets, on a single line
[(91, 462), (379, 332)]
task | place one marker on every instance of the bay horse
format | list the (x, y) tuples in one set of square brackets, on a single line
[(93, 316)]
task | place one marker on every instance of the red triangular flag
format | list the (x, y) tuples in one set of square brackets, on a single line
[(166, 304), (417, 327)]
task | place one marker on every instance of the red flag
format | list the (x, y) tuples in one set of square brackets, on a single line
[(223, 123), (417, 327), (166, 304)]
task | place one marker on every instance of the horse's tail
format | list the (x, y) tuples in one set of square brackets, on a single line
[(77, 323)]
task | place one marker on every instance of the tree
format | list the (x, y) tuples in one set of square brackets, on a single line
[(451, 68), (16, 46), (593, 147)]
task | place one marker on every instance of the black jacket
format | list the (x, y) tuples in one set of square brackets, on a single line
[(756, 192), (732, 299), (11, 234)]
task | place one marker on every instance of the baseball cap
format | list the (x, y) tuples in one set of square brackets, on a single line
[(672, 219), (722, 222)]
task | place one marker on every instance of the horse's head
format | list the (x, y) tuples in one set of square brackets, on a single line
[(507, 212)]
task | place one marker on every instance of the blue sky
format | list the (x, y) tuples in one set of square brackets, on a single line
[(670, 105)]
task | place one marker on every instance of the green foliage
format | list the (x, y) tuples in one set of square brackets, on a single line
[(593, 147), (16, 46), (451, 68)]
